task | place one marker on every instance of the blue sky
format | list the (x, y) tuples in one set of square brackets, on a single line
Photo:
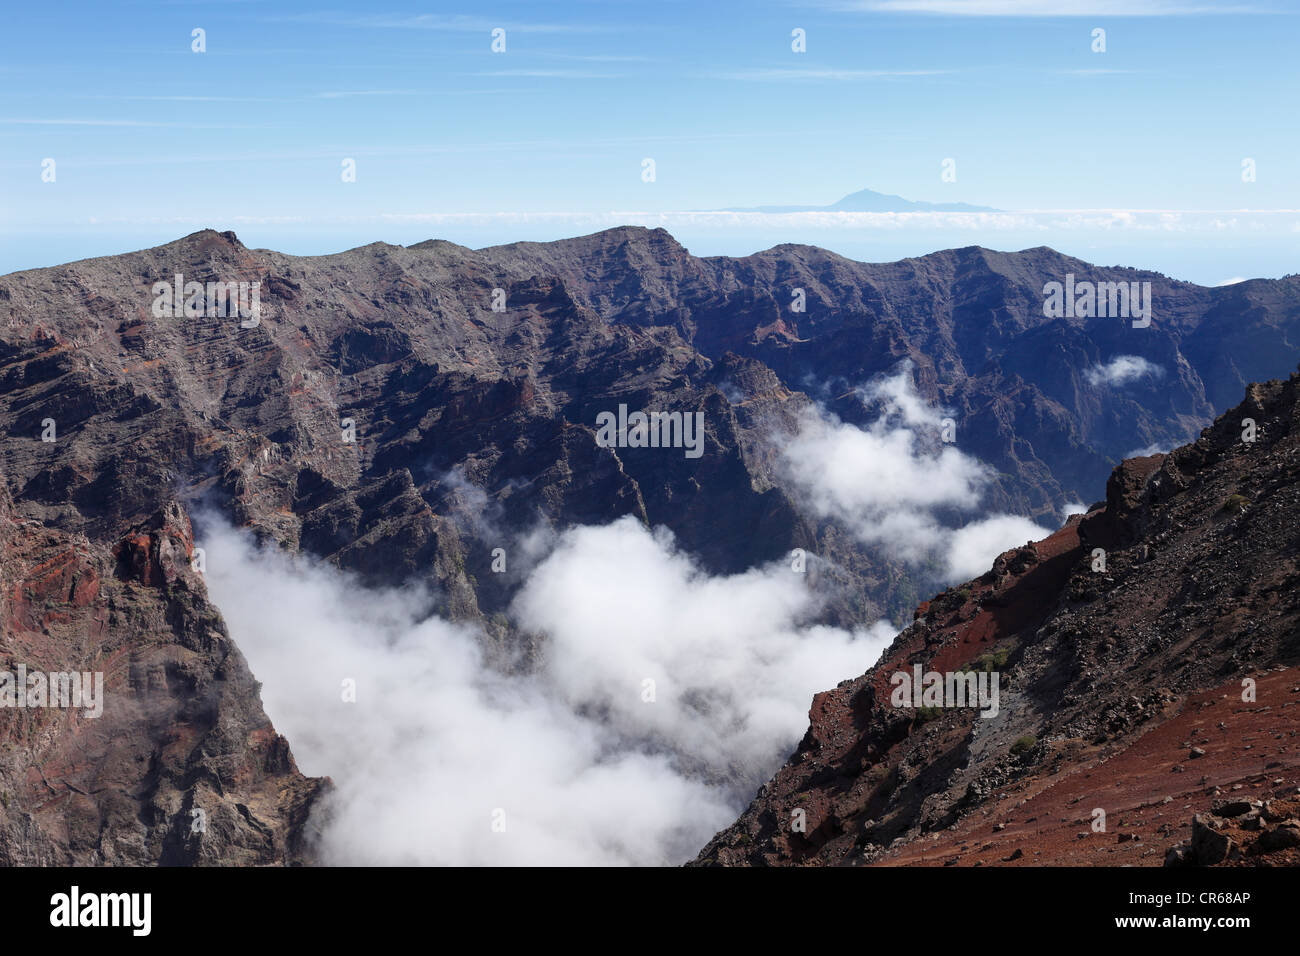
[(1130, 156)]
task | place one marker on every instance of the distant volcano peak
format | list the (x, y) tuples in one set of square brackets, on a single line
[(868, 200)]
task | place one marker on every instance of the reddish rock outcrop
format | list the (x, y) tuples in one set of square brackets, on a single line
[(182, 766)]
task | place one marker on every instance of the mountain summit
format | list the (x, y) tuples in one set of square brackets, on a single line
[(868, 200)]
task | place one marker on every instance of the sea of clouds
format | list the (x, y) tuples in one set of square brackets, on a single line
[(573, 758)]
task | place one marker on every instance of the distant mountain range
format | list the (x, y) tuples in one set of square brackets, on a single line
[(868, 200)]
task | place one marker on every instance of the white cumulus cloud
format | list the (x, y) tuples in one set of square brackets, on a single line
[(972, 547), (892, 482), (1121, 370)]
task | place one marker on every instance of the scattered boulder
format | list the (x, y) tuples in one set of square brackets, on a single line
[(1281, 837), (1209, 846), (1230, 808), (1179, 855)]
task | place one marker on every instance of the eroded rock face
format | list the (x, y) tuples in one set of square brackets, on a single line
[(181, 766), (1148, 654), (401, 349), (441, 390)]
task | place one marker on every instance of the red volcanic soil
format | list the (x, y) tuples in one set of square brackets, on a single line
[(1149, 788)]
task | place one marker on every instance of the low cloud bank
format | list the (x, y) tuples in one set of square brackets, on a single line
[(443, 760), (892, 482)]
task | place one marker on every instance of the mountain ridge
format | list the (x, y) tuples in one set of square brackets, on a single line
[(157, 416)]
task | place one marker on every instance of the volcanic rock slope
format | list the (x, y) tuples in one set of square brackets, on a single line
[(472, 425), (1149, 688)]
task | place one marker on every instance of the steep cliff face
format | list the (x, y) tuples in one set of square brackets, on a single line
[(173, 761), (402, 412), (445, 391), (1147, 655), (1024, 386)]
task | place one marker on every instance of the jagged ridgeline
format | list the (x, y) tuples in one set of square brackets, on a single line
[(397, 410)]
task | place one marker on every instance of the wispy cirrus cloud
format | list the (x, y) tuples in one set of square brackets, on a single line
[(1047, 8), (544, 74), (446, 22), (194, 99), (767, 75), (32, 121), (345, 94), (599, 57), (323, 95), (553, 146)]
